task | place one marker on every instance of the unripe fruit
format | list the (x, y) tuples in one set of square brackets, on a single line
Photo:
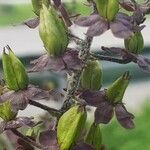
[(52, 32), (135, 43), (91, 77), (94, 136), (115, 92), (70, 126), (5, 111), (15, 75), (107, 9), (37, 5)]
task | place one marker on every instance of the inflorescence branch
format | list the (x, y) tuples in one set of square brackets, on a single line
[(111, 59), (26, 139), (54, 112)]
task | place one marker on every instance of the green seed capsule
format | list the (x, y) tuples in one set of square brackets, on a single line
[(53, 32), (135, 43), (37, 5), (107, 8), (94, 136), (15, 74), (70, 126), (91, 77), (115, 92), (5, 111)]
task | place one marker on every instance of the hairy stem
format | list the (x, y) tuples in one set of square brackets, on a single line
[(74, 79), (54, 112), (26, 139), (111, 59)]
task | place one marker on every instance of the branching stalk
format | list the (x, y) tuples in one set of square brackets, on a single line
[(54, 112), (26, 139)]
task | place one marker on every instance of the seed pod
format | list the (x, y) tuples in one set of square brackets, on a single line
[(115, 92), (107, 8), (15, 74), (37, 5), (5, 111), (91, 77), (70, 126), (135, 43), (94, 136), (53, 32)]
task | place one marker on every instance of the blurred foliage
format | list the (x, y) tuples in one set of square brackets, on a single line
[(77, 8), (13, 14), (117, 138)]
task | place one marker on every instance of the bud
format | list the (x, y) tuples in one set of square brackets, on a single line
[(115, 92), (37, 5), (94, 136), (135, 43), (14, 72), (5, 111), (53, 32), (70, 126), (91, 77), (107, 9)]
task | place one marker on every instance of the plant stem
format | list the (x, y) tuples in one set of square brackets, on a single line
[(74, 79), (111, 59), (52, 111), (26, 139), (63, 12)]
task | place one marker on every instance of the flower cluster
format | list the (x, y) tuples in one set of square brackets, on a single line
[(65, 129)]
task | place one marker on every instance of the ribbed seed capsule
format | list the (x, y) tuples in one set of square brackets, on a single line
[(107, 8), (53, 32), (5, 111), (37, 5), (70, 126), (94, 136), (91, 77), (115, 92), (135, 43), (15, 74)]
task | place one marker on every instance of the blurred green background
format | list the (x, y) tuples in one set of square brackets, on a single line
[(114, 136)]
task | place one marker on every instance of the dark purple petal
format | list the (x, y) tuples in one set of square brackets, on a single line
[(138, 16), (124, 117), (56, 95), (82, 146), (71, 60), (145, 9), (93, 98), (46, 62), (125, 20), (143, 63), (114, 50), (120, 30), (104, 113), (48, 138), (19, 122), (35, 93), (87, 21), (98, 28), (32, 23), (18, 100), (127, 5), (55, 64)]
